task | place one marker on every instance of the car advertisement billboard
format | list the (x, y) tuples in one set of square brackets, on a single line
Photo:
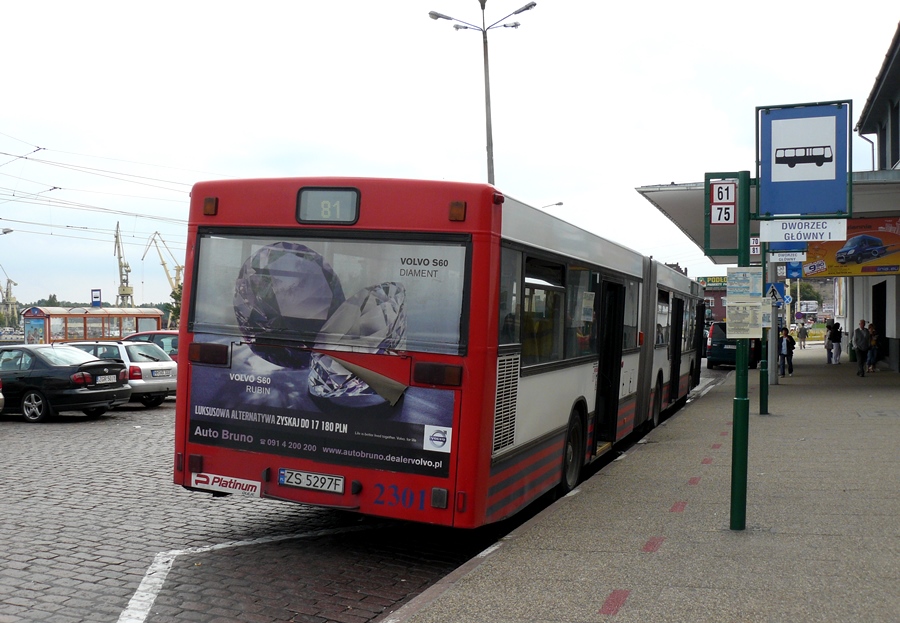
[(297, 310), (871, 248)]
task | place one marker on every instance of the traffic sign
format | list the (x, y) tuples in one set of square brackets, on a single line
[(788, 256), (803, 157), (723, 203), (788, 299), (775, 291), (803, 230)]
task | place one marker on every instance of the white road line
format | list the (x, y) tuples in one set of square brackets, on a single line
[(139, 606)]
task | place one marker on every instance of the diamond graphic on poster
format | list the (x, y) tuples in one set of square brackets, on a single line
[(374, 321), (285, 289), (371, 321), (329, 379)]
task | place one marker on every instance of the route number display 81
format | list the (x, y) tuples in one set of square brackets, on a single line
[(723, 203)]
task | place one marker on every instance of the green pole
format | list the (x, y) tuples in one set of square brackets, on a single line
[(741, 412), (764, 361)]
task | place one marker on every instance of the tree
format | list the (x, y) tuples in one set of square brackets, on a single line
[(809, 293), (174, 308)]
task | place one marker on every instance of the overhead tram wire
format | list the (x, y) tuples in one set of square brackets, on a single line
[(95, 192), (132, 241), (99, 230), (144, 164), (122, 177), (32, 199)]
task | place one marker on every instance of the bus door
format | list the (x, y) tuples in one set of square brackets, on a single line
[(675, 342), (698, 340), (611, 336)]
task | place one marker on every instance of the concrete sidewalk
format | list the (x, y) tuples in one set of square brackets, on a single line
[(647, 539)]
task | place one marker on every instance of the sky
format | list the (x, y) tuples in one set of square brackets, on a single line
[(111, 111)]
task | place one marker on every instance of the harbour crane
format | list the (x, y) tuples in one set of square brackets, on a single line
[(10, 307), (125, 297), (174, 282)]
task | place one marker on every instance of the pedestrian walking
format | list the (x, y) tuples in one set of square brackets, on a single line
[(786, 352), (828, 346), (802, 334), (836, 336), (861, 347), (872, 357)]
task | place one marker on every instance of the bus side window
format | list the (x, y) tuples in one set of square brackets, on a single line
[(510, 282), (543, 327)]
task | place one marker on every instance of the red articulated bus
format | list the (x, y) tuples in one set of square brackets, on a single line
[(428, 351)]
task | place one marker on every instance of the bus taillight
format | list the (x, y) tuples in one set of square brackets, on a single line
[(437, 374), (211, 354)]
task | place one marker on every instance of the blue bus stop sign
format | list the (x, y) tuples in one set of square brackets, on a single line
[(803, 160)]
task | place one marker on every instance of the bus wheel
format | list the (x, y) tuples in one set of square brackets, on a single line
[(657, 406), (573, 455)]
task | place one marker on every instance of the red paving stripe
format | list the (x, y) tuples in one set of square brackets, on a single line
[(706, 460), (678, 507), (694, 481), (724, 433), (614, 602), (653, 544), (716, 446)]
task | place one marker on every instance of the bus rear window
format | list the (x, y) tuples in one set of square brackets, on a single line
[(331, 293)]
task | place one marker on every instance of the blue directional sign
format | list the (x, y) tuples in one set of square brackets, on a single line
[(787, 246), (804, 151), (794, 270)]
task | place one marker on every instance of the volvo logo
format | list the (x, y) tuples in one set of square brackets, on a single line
[(438, 438)]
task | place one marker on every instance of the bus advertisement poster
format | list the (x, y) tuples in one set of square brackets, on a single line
[(256, 406), (297, 306)]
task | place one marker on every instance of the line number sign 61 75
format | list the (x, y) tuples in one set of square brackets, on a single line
[(722, 204)]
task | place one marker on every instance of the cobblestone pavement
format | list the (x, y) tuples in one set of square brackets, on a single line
[(93, 530)]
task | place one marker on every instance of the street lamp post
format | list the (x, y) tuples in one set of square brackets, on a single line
[(461, 25), (558, 203)]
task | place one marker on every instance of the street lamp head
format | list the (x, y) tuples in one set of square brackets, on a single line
[(436, 15), (461, 27), (527, 7), (558, 203), (512, 25), (7, 230)]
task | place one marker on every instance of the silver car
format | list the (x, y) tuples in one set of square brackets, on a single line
[(151, 372)]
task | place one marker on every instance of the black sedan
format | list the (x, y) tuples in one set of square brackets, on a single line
[(41, 379)]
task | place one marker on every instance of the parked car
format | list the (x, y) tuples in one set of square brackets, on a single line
[(164, 338), (860, 249), (723, 351), (39, 380), (151, 373)]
